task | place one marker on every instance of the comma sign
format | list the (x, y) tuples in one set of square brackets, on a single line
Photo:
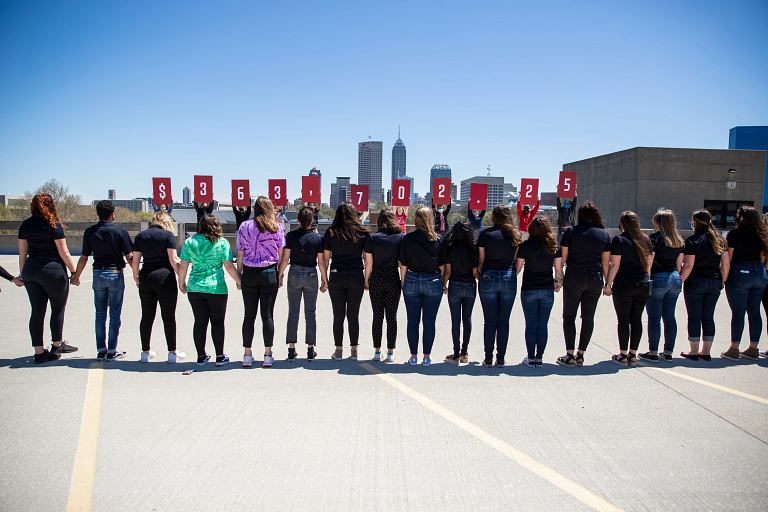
[(401, 192), (567, 187), (360, 197), (162, 191), (441, 191), (529, 191), (203, 189), (277, 192), (478, 196), (241, 193), (310, 189)]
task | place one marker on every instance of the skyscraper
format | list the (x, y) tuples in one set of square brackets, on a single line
[(340, 191), (751, 137), (185, 194), (439, 171), (112, 194), (398, 159), (369, 168)]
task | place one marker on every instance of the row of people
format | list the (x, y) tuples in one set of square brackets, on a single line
[(639, 272)]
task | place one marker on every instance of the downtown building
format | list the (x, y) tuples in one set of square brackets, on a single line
[(369, 169), (496, 189), (399, 171), (340, 191), (751, 137)]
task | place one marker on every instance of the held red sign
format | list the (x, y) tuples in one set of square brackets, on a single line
[(478, 196), (310, 189), (567, 187), (241, 193), (277, 192), (401, 192), (203, 189), (529, 191), (162, 191), (360, 197), (441, 191)]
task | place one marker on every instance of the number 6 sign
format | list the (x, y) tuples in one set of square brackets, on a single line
[(567, 187), (529, 191), (277, 192), (401, 192), (241, 193), (360, 197), (203, 189)]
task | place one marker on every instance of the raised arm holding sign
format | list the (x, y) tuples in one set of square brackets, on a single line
[(529, 191)]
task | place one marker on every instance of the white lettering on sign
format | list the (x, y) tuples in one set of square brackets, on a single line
[(360, 198), (161, 188), (401, 192), (440, 190), (277, 191), (240, 194), (203, 188), (567, 182), (528, 190)]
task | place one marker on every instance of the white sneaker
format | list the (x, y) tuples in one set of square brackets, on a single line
[(248, 360), (764, 353), (377, 356), (176, 356), (268, 361), (390, 357), (530, 363), (146, 356)]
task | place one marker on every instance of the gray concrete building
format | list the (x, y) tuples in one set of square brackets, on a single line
[(643, 179), (495, 189), (340, 191), (369, 168), (140, 204), (398, 159)]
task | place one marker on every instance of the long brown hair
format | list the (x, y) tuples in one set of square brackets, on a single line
[(210, 227), (588, 212), (501, 216), (703, 223), (541, 229), (43, 206), (750, 219), (346, 224), (666, 224), (630, 224), (264, 215), (387, 219), (425, 221)]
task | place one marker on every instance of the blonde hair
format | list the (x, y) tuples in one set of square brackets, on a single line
[(666, 224), (501, 216), (264, 215), (630, 224), (703, 220), (425, 221), (162, 220)]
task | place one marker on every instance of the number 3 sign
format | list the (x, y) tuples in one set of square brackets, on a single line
[(277, 192), (529, 191), (241, 193), (203, 189)]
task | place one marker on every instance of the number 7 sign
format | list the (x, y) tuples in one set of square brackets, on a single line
[(567, 186), (360, 197), (277, 192), (529, 191), (241, 193)]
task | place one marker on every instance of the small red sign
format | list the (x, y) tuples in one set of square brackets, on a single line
[(529, 191), (441, 191), (401, 192), (277, 192), (310, 189), (241, 193), (567, 187), (203, 189), (161, 188), (360, 197), (478, 196)]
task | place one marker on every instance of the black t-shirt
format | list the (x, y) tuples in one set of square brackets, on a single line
[(664, 257), (108, 243), (747, 247), (384, 245), (304, 244), (586, 244), (537, 272), (707, 262), (41, 237), (499, 251), (630, 267), (420, 254), (462, 260), (344, 256), (153, 244)]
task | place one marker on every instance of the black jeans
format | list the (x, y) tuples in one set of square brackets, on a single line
[(581, 286), (158, 285), (346, 290), (629, 299), (208, 307), (45, 280), (384, 292), (260, 285)]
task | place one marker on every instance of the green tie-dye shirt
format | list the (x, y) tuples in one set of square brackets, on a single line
[(207, 259)]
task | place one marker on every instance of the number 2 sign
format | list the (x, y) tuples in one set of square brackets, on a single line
[(441, 191), (567, 184), (241, 193), (360, 197), (162, 191), (203, 189), (277, 192), (529, 191)]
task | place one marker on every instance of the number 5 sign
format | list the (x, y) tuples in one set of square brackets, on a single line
[(162, 191), (241, 193), (360, 197), (567, 186), (401, 192), (441, 191), (529, 191), (203, 189), (277, 192)]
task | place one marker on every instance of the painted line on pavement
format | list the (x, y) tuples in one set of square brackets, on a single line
[(576, 490), (81, 492), (711, 385)]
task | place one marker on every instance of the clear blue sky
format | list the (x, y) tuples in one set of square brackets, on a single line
[(106, 95)]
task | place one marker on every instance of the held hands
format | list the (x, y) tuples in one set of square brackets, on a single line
[(445, 290), (17, 281), (136, 279), (74, 280), (281, 282), (607, 291), (183, 287), (366, 285), (558, 285), (323, 286)]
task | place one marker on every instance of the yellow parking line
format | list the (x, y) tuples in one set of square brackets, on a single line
[(576, 490), (81, 492), (712, 385)]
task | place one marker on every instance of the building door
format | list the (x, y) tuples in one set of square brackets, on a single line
[(724, 212)]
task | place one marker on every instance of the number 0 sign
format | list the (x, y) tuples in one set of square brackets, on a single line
[(241, 193), (401, 192), (441, 191), (529, 191), (277, 192), (567, 184), (360, 197), (310, 189), (203, 189), (162, 191)]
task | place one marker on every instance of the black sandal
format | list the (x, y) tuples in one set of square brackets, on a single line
[(632, 359), (578, 359), (566, 360), (620, 359)]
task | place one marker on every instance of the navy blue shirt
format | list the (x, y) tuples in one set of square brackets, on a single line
[(153, 244), (304, 244), (420, 254), (108, 243)]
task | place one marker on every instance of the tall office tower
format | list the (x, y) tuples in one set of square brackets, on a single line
[(438, 171), (751, 137), (340, 191), (185, 194), (398, 159), (112, 194), (369, 169), (413, 190), (495, 189)]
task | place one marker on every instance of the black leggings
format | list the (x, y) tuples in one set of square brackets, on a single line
[(158, 285), (259, 286), (629, 301), (581, 287), (45, 280), (384, 291), (208, 307), (346, 290)]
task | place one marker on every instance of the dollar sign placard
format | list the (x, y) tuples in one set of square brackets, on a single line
[(162, 191)]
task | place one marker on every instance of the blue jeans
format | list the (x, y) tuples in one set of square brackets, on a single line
[(701, 296), (461, 300), (422, 293), (744, 290), (537, 305), (661, 304), (497, 290), (108, 289)]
